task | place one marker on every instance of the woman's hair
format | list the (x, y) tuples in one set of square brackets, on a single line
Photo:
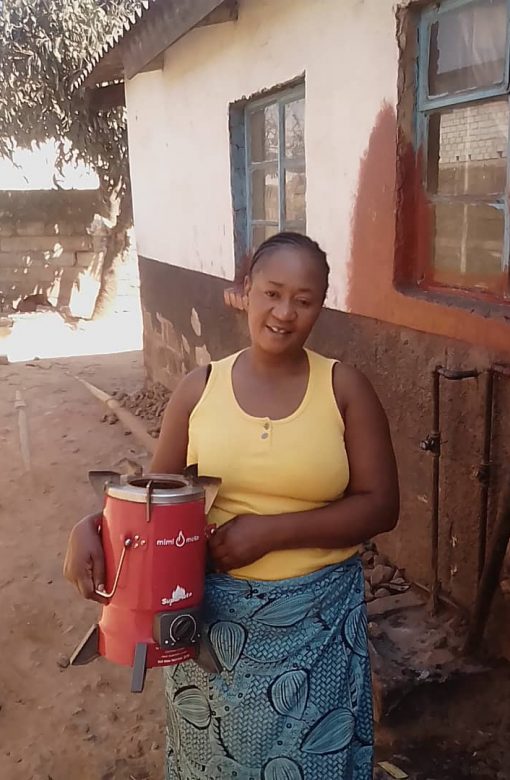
[(295, 241)]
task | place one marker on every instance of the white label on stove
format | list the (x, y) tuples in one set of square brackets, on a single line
[(179, 594), (177, 541)]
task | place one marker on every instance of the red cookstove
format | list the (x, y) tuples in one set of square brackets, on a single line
[(154, 537)]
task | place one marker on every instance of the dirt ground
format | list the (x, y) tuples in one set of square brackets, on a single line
[(61, 723)]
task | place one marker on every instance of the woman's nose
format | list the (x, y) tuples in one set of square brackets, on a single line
[(284, 311)]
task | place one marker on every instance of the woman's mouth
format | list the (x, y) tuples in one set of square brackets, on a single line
[(278, 331)]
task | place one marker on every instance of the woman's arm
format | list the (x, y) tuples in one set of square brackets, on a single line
[(369, 507), (171, 451)]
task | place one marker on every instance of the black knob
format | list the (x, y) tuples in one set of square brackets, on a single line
[(183, 629)]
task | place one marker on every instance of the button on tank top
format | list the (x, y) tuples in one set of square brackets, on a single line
[(272, 467)]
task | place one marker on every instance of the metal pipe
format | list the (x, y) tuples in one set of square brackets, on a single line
[(433, 445), (488, 571), (493, 562), (491, 573), (456, 375), (436, 455), (484, 471)]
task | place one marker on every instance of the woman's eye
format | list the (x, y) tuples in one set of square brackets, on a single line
[(304, 303), (271, 293)]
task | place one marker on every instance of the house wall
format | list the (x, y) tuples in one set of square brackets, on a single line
[(350, 54), (180, 159), (179, 130)]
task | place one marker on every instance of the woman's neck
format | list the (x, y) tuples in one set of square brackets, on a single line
[(267, 364)]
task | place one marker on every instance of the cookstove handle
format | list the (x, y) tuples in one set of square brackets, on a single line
[(127, 544), (148, 499)]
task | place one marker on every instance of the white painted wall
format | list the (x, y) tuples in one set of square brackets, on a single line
[(178, 123)]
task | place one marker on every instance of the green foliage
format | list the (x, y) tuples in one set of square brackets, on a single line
[(44, 45)]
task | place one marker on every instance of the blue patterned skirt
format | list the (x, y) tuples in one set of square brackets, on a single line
[(294, 699)]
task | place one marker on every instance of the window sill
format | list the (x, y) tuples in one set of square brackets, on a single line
[(490, 308)]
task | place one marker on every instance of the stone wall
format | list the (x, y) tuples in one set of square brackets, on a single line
[(51, 243)]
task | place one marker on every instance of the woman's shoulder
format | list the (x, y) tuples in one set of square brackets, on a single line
[(349, 375), (191, 387), (194, 385), (352, 386), (197, 377), (228, 359), (342, 372)]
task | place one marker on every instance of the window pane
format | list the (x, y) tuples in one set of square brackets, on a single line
[(468, 149), (296, 227), (295, 129), (259, 234), (264, 133), (467, 48), (468, 247), (265, 194), (295, 196)]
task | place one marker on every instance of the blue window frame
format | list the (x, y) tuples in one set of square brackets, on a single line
[(463, 121), (274, 165)]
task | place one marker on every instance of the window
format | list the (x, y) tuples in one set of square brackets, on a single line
[(463, 128), (273, 166)]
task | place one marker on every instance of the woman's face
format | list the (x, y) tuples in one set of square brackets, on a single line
[(285, 295)]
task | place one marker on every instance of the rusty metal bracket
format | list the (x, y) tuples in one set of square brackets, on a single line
[(432, 443)]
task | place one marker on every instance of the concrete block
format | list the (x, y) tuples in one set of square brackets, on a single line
[(33, 275), (12, 260), (53, 244), (30, 228), (11, 275), (6, 229), (76, 243), (29, 259), (30, 244), (58, 228), (64, 260)]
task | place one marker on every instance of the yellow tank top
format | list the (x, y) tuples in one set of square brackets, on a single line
[(271, 467)]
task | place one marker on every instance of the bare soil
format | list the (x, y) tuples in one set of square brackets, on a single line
[(62, 723)]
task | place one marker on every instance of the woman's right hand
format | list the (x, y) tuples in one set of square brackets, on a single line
[(84, 560)]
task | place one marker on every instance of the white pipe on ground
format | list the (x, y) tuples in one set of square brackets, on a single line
[(129, 421)]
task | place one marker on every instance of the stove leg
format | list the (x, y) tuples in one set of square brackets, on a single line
[(139, 668), (88, 649)]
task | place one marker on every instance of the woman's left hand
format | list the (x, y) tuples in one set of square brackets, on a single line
[(241, 541)]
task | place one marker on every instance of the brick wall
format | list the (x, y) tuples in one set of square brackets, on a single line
[(51, 243), (474, 133)]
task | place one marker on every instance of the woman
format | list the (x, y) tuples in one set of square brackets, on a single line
[(303, 449)]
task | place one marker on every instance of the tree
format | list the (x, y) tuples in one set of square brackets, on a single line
[(44, 45)]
